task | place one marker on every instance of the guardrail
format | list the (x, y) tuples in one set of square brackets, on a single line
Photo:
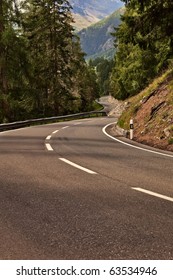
[(20, 124)]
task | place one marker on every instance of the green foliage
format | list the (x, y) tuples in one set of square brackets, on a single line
[(132, 72), (135, 102), (170, 141), (103, 68), (12, 61), (96, 40), (42, 67), (144, 45)]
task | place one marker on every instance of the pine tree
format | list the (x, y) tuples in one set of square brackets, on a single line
[(144, 43), (47, 25), (42, 67), (9, 55)]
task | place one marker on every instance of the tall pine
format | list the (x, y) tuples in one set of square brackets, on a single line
[(144, 45)]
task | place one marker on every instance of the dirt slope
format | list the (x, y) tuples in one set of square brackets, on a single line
[(152, 112)]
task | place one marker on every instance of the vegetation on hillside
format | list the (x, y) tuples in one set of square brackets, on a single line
[(88, 12), (135, 103), (151, 111), (96, 40), (42, 67), (144, 42), (103, 68)]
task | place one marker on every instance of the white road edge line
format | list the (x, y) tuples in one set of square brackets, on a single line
[(77, 166), (154, 194), (12, 130), (135, 147), (48, 146)]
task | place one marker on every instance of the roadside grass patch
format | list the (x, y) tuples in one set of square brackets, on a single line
[(170, 141)]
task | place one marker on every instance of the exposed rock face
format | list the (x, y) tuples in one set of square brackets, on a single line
[(154, 119), (168, 130)]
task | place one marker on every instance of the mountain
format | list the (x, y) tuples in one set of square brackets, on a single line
[(96, 40), (88, 12)]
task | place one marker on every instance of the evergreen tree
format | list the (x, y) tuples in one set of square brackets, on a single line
[(42, 67), (85, 87), (55, 57), (103, 68), (47, 27), (11, 58), (144, 43)]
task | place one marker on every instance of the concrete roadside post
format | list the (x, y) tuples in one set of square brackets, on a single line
[(131, 129)]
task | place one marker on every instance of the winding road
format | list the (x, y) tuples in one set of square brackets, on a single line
[(70, 191)]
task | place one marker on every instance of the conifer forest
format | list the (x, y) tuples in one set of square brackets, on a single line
[(42, 67), (43, 71)]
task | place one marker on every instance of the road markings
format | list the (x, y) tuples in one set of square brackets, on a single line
[(77, 123), (77, 166), (55, 131), (65, 127), (154, 194), (13, 130), (48, 146), (135, 147), (48, 137)]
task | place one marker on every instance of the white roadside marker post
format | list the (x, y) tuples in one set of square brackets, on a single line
[(131, 129)]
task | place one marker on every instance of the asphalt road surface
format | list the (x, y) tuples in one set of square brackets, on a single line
[(68, 191)]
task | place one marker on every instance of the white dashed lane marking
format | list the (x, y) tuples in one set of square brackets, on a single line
[(154, 194), (55, 131), (65, 127), (77, 166), (48, 137), (48, 146)]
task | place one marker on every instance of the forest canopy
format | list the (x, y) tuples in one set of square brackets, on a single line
[(144, 44), (42, 67)]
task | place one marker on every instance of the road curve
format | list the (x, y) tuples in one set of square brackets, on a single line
[(68, 191)]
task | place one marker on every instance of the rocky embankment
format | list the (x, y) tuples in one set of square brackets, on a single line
[(152, 113), (112, 106), (154, 120)]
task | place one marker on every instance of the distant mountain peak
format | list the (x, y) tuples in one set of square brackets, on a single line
[(96, 40), (88, 12)]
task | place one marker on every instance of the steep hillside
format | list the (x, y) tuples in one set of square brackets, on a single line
[(88, 12), (152, 111), (97, 40)]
